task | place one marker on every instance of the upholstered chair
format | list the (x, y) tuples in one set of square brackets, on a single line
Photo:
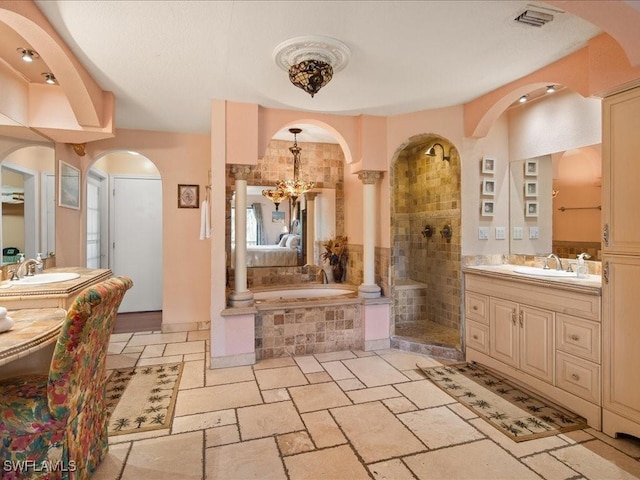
[(55, 426)]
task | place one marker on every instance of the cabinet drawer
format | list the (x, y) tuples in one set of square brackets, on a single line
[(578, 376), (477, 307), (578, 337), (477, 336)]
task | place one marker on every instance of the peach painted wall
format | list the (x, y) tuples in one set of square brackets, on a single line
[(180, 158), (70, 247)]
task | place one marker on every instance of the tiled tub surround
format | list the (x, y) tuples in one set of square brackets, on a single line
[(340, 415)]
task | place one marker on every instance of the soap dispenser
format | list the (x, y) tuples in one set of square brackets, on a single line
[(40, 264), (582, 270)]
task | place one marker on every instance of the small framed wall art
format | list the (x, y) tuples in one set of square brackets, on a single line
[(531, 188), (531, 168), (488, 186), (488, 165), (69, 186), (531, 208), (487, 208), (188, 196)]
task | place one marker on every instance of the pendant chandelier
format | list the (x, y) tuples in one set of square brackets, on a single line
[(290, 188)]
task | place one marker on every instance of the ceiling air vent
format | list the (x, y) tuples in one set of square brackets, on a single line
[(533, 18)]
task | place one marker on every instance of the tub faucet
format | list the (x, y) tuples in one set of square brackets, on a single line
[(325, 279), (556, 258)]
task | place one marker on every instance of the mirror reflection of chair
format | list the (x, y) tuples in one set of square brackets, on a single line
[(59, 420)]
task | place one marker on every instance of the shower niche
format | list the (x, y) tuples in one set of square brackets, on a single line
[(425, 265)]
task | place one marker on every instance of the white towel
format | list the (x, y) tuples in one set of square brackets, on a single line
[(205, 228)]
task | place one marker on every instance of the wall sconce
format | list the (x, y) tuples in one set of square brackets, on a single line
[(432, 152), (447, 233)]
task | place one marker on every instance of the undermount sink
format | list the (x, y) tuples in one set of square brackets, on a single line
[(541, 272), (42, 278)]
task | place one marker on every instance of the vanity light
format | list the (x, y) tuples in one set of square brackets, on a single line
[(28, 55), (49, 78), (432, 152), (523, 98), (551, 89)]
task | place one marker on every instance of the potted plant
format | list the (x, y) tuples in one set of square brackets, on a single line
[(335, 253)]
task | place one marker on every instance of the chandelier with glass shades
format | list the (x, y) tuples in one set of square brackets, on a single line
[(291, 188)]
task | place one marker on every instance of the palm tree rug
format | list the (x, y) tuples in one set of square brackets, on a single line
[(140, 399), (516, 412)]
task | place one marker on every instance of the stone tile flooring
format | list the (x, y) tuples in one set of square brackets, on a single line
[(342, 415)]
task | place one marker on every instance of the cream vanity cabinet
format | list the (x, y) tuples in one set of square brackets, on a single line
[(545, 335), (621, 263)]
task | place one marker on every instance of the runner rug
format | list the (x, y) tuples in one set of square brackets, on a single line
[(140, 399), (516, 412)]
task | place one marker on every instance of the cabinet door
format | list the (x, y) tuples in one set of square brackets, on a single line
[(620, 172), (536, 342), (621, 336), (503, 331)]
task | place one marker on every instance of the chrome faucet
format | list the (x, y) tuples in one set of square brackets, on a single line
[(325, 279), (556, 258)]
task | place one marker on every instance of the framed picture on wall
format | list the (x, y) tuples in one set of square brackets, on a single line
[(277, 217), (69, 186), (531, 188), (531, 168), (488, 165), (531, 208), (487, 208), (188, 196), (488, 186)]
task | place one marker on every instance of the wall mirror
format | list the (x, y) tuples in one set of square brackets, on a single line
[(27, 176), (277, 237), (567, 196)]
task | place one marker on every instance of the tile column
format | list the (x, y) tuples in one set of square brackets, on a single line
[(311, 227), (369, 289), (240, 296)]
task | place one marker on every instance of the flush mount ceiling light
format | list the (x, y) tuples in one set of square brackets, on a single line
[(311, 61), (49, 78), (432, 152), (28, 55)]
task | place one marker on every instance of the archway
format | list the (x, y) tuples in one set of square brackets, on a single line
[(425, 263)]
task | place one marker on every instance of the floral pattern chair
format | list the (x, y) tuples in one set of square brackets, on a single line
[(55, 426)]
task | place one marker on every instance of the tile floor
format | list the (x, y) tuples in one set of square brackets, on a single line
[(343, 415)]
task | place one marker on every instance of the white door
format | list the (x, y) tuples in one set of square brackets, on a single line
[(97, 227), (136, 248)]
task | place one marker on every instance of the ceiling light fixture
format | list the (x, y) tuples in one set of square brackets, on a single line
[(311, 61), (551, 89), (296, 187), (28, 55), (523, 98), (432, 152), (49, 78)]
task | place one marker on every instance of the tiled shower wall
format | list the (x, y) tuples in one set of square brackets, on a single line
[(426, 191)]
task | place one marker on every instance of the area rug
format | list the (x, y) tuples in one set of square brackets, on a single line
[(142, 398), (516, 412)]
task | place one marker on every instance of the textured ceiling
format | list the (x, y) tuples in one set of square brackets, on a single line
[(165, 61)]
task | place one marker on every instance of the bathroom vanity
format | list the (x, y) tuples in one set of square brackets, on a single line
[(59, 294), (543, 332)]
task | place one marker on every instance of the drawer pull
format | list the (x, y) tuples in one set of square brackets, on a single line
[(475, 337), (574, 337), (475, 307), (575, 376)]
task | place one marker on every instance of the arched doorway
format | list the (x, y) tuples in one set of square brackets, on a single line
[(425, 264)]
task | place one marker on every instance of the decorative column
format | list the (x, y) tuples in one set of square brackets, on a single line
[(240, 296), (311, 227), (369, 289)]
